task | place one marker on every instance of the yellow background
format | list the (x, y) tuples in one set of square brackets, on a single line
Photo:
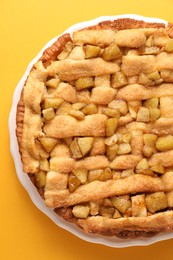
[(25, 27)]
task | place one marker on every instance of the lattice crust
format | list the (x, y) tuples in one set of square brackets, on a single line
[(95, 127)]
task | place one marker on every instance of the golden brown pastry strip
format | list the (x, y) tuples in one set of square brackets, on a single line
[(95, 37), (163, 158), (140, 92), (133, 65), (164, 61), (137, 142), (162, 126), (158, 222), (65, 91), (126, 38), (125, 162), (66, 126), (166, 106), (74, 69), (133, 184), (102, 95), (67, 165)]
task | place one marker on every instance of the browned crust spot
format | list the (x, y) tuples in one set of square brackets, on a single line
[(51, 53), (170, 29), (126, 23), (19, 121)]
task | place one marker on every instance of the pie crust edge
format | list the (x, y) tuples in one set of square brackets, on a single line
[(105, 228)]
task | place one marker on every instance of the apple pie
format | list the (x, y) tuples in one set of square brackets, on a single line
[(95, 128)]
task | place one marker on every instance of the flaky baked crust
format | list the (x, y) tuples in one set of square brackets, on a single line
[(93, 125)]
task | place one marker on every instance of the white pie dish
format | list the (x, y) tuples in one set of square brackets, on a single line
[(24, 179)]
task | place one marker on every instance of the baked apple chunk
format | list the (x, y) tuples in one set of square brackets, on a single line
[(95, 128)]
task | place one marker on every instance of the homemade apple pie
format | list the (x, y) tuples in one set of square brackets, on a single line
[(95, 128)]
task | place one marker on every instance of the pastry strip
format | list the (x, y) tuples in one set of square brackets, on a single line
[(127, 38), (133, 184), (74, 69), (67, 126), (106, 226), (140, 92), (67, 165)]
